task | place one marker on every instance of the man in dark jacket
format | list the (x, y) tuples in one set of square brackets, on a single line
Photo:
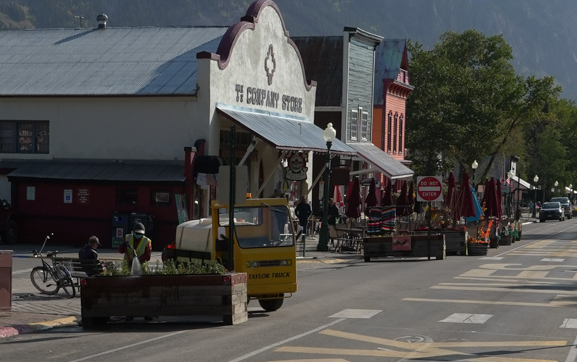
[(303, 212), (89, 253)]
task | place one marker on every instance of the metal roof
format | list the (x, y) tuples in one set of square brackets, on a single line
[(285, 133), (391, 167), (388, 61), (71, 171), (323, 62), (106, 62)]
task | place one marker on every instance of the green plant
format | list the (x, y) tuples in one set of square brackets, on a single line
[(170, 267)]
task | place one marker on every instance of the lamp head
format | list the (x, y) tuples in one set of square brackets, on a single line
[(474, 165), (329, 133), (556, 183), (536, 179)]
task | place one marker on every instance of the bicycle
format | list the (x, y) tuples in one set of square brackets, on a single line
[(49, 279)]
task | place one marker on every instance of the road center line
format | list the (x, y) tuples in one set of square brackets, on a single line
[(242, 358)]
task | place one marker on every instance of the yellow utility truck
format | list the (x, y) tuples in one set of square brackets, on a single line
[(260, 243)]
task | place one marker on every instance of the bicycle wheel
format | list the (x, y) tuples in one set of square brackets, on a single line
[(68, 286), (43, 280)]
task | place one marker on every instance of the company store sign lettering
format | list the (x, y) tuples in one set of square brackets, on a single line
[(266, 98)]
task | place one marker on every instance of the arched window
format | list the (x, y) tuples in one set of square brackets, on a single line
[(395, 125), (401, 134), (389, 132)]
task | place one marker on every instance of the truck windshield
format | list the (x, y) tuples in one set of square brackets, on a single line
[(261, 226)]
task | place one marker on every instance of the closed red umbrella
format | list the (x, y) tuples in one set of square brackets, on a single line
[(449, 200), (387, 199), (354, 200), (466, 198), (499, 199), (402, 201), (411, 197), (491, 199), (371, 199)]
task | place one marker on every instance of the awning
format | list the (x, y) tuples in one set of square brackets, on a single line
[(384, 163), (519, 183), (71, 171), (285, 133)]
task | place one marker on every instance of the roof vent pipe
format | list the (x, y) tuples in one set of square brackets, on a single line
[(102, 19)]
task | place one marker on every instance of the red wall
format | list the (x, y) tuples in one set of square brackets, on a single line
[(73, 223)]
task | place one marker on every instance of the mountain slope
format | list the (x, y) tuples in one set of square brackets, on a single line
[(540, 32)]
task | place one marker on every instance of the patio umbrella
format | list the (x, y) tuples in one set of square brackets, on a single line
[(402, 201), (338, 197), (491, 199), (449, 200), (371, 199), (354, 200), (349, 190), (499, 199), (388, 197), (478, 210), (411, 197), (466, 198)]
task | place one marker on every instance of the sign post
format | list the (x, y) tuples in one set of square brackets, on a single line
[(429, 188)]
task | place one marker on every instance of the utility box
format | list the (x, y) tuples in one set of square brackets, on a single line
[(5, 279), (120, 227)]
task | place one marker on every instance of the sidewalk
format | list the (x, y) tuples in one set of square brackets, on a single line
[(32, 311)]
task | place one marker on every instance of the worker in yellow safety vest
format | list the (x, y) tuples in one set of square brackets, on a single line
[(137, 244)]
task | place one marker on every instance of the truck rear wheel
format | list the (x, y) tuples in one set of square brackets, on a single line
[(10, 234), (270, 305)]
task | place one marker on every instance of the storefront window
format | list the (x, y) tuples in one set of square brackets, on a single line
[(24, 137), (127, 196)]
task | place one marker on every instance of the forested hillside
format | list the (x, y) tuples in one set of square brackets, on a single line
[(541, 32)]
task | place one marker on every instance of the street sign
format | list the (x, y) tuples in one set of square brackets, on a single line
[(429, 188)]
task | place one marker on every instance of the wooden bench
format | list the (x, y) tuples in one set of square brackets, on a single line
[(81, 268)]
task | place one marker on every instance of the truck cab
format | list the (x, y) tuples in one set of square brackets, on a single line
[(262, 242)]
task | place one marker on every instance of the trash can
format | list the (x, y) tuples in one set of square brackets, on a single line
[(119, 228), (5, 279)]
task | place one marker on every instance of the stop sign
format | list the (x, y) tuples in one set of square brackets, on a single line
[(429, 188)]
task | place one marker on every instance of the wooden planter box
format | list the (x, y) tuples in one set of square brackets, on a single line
[(164, 295), (455, 242), (416, 246)]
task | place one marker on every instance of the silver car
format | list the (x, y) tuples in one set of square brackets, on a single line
[(551, 211)]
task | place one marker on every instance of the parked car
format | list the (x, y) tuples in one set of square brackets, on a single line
[(566, 204), (551, 211)]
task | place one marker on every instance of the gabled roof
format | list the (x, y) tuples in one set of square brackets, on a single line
[(103, 62), (389, 59), (323, 61)]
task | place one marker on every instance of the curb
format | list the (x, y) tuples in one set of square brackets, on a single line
[(35, 327)]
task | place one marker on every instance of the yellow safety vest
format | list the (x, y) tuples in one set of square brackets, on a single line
[(144, 241)]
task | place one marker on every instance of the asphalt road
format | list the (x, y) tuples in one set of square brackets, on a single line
[(517, 304)]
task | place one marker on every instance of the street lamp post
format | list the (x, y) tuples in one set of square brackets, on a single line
[(329, 135), (474, 166), (556, 184), (535, 180)]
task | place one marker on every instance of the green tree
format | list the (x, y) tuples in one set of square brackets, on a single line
[(468, 102)]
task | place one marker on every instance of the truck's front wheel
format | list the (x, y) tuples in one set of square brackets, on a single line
[(270, 305)]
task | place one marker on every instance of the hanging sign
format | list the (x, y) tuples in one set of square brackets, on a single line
[(296, 169), (429, 188)]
